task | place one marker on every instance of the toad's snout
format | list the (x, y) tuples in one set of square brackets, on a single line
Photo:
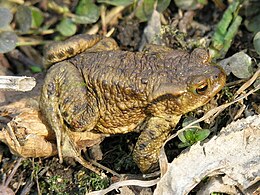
[(218, 79)]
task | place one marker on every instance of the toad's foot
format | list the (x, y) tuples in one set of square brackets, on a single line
[(69, 149), (72, 144)]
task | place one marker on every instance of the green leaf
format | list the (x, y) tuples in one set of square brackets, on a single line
[(253, 24), (226, 31), (257, 42), (145, 10), (88, 12), (59, 8), (5, 17), (8, 41), (240, 64), (82, 19), (189, 135), (23, 17), (192, 135), (35, 69), (66, 27), (183, 145), (195, 127), (189, 120), (186, 4), (117, 2), (182, 137), (203, 2), (231, 33), (37, 17), (202, 134), (162, 5)]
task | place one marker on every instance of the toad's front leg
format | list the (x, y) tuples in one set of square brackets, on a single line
[(68, 105), (154, 134)]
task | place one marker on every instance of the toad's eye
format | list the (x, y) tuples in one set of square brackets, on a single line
[(201, 89)]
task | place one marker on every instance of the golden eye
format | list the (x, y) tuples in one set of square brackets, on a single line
[(202, 88)]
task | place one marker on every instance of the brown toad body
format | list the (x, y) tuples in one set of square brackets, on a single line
[(101, 89)]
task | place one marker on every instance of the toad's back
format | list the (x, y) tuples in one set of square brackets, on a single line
[(128, 68), (122, 83)]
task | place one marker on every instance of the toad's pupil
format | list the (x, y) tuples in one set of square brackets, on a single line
[(202, 89)]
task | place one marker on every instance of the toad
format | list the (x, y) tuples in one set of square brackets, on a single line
[(93, 86)]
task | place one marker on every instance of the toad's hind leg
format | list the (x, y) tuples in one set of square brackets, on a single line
[(67, 105), (61, 50)]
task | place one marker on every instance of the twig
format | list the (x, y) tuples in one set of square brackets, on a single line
[(112, 14), (125, 183), (17, 83), (248, 83), (104, 168), (17, 1), (30, 183), (18, 163)]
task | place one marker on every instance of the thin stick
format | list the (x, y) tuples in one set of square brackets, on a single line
[(18, 163), (125, 183), (17, 83)]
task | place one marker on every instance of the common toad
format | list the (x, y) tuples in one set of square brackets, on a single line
[(95, 87)]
